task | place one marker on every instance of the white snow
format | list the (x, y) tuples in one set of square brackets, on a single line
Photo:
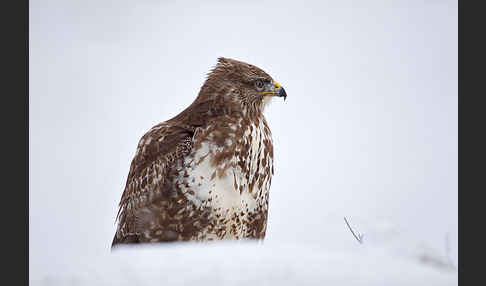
[(384, 258), (247, 263)]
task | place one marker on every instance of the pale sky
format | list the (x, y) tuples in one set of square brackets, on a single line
[(368, 131)]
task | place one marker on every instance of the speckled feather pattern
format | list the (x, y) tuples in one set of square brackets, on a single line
[(206, 173)]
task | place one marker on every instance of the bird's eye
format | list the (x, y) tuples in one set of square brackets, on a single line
[(259, 84)]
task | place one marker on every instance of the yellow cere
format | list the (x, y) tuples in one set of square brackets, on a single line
[(277, 85), (268, 92)]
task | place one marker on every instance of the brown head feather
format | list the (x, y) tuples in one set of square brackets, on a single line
[(229, 88)]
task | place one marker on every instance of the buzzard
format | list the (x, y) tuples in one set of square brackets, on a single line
[(206, 173)]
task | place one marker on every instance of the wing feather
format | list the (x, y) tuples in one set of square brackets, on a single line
[(157, 152)]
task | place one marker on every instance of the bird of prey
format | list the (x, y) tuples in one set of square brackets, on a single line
[(206, 173)]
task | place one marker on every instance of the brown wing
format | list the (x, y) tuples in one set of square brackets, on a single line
[(156, 154)]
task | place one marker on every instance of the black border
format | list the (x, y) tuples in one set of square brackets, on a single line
[(471, 160), (460, 87), (14, 135)]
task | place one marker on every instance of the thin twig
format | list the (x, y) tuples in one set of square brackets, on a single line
[(358, 237)]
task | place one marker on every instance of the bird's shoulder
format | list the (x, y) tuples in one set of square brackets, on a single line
[(157, 151), (165, 141)]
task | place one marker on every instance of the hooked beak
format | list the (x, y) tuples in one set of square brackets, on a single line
[(281, 91), (276, 90)]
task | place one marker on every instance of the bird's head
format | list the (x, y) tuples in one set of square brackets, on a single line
[(244, 84)]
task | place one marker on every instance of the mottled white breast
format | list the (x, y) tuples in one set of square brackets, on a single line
[(233, 179)]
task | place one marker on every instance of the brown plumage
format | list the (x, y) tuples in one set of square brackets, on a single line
[(206, 173)]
